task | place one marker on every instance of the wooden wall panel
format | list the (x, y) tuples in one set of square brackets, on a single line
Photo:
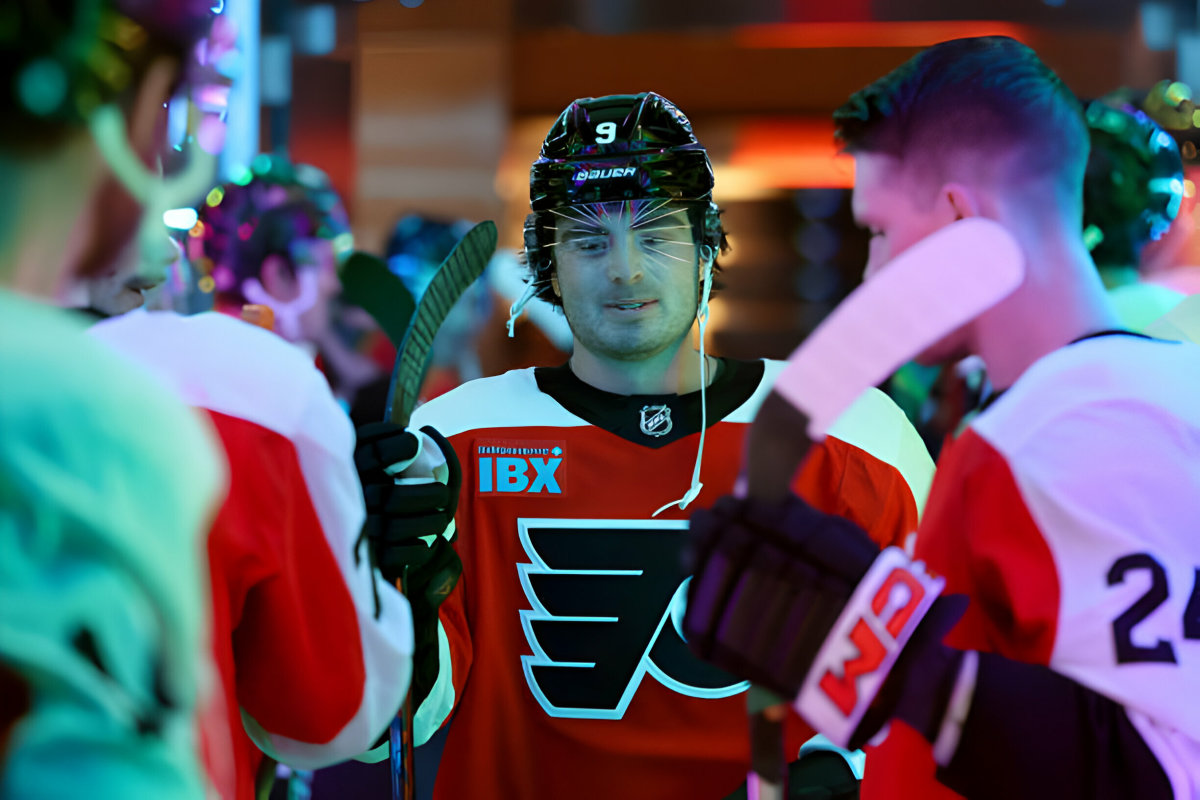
[(431, 112)]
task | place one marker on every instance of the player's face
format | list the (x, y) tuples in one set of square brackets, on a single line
[(627, 276), (316, 255), (899, 210)]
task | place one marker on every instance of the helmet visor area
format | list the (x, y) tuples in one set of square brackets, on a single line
[(658, 229)]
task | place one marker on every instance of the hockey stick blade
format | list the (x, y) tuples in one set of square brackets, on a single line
[(1180, 324), (369, 284), (460, 269), (924, 294)]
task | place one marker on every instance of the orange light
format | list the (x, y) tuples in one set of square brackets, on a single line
[(805, 35), (792, 154)]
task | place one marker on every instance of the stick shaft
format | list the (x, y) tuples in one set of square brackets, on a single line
[(400, 740)]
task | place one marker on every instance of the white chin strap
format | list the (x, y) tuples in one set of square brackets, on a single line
[(515, 310), (707, 256)]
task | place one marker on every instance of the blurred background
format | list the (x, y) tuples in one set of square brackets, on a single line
[(439, 106)]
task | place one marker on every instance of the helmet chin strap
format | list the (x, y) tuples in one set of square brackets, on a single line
[(287, 312), (707, 257), (515, 310)]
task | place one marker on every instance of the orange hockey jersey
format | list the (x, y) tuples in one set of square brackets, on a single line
[(561, 656)]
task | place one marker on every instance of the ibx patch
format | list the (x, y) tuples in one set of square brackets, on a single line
[(507, 466)]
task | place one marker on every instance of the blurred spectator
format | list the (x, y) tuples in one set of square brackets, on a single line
[(125, 285), (1132, 192), (414, 251), (102, 516), (417, 247), (1173, 260), (273, 238)]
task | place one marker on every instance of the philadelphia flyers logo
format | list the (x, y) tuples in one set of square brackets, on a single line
[(606, 606)]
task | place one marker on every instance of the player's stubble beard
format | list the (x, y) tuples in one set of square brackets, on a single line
[(633, 341)]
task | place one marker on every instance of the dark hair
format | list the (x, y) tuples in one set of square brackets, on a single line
[(241, 231), (426, 238), (272, 203), (979, 96), (60, 59)]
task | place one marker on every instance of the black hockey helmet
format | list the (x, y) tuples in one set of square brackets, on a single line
[(1133, 186), (615, 148)]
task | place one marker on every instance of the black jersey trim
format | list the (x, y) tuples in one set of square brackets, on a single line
[(994, 396), (620, 414)]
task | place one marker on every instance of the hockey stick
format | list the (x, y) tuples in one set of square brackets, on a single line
[(369, 284), (768, 761), (460, 269), (927, 292), (1180, 324), (921, 296)]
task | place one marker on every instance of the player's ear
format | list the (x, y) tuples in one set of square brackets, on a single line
[(960, 201)]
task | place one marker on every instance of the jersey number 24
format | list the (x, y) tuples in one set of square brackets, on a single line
[(1144, 606)]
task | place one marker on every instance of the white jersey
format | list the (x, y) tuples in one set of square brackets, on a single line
[(1069, 513)]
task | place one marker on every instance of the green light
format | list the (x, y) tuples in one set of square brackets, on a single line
[(343, 243), (42, 86), (215, 197)]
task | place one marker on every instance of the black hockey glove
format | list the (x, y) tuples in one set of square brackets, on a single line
[(410, 526), (805, 604)]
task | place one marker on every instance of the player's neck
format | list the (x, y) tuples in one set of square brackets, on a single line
[(673, 371), (1061, 300)]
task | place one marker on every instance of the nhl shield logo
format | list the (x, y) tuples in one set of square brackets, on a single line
[(656, 420)]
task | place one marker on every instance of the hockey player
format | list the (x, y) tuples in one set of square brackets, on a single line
[(298, 609), (559, 651), (313, 647), (1062, 519), (107, 482), (1132, 190)]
